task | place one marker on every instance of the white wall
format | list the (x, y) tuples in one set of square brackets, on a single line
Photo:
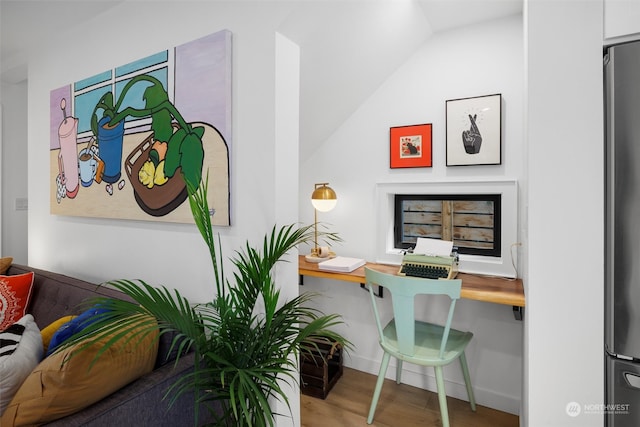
[(133, 249), (13, 168), (112, 246), (477, 60), (564, 336), (0, 174), (287, 112)]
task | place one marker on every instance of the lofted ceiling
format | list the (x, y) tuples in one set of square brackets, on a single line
[(347, 47)]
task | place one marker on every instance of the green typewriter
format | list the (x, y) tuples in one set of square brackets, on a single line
[(429, 266)]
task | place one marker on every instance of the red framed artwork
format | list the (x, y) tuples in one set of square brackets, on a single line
[(410, 146)]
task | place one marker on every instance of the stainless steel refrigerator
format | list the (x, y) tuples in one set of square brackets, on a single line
[(622, 247)]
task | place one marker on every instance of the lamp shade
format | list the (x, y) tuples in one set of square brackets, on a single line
[(324, 198)]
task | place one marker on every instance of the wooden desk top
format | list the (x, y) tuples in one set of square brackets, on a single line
[(476, 287)]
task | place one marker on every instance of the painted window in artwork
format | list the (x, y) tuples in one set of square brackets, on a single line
[(87, 92)]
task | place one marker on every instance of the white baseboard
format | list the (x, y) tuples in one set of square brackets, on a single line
[(425, 379)]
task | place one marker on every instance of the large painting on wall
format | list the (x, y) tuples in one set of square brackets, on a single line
[(125, 143)]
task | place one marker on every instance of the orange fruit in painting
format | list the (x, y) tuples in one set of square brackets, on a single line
[(161, 149)]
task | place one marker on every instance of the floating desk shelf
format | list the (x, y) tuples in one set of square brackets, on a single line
[(492, 289)]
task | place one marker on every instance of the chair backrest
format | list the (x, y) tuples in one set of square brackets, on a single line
[(403, 290)]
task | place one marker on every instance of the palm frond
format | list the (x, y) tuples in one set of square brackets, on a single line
[(154, 310), (243, 355), (201, 215)]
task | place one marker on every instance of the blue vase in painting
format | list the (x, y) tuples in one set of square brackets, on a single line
[(110, 141)]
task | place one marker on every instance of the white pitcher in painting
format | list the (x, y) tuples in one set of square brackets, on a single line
[(68, 157)]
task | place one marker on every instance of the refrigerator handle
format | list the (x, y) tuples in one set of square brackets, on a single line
[(609, 154), (633, 380)]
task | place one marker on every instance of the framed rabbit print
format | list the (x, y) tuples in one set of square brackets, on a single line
[(410, 146)]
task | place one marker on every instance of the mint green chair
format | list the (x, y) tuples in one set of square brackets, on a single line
[(418, 342)]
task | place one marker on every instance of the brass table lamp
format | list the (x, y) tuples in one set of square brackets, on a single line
[(323, 199)]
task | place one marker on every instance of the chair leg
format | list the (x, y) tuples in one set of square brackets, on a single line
[(399, 371), (442, 396), (376, 393), (467, 381)]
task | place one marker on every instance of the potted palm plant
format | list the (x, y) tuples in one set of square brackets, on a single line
[(242, 352)]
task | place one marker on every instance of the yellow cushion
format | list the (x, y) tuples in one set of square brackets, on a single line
[(5, 263), (60, 386), (48, 331)]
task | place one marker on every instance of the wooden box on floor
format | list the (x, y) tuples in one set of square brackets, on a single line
[(320, 370)]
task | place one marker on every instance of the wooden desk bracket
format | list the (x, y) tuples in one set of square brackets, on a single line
[(379, 294)]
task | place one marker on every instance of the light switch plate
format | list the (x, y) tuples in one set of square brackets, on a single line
[(22, 204)]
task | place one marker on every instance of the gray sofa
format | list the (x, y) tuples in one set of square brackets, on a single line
[(141, 403)]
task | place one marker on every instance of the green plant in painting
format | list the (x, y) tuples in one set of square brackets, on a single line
[(173, 148), (246, 340)]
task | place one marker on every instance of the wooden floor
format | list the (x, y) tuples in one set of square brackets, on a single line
[(400, 406)]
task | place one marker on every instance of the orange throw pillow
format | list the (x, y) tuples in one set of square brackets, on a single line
[(15, 293)]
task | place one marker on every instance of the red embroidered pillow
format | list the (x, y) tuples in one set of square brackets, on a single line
[(15, 293)]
